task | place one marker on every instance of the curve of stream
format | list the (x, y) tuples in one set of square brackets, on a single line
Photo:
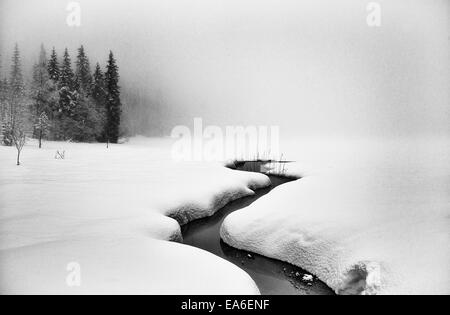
[(273, 277)]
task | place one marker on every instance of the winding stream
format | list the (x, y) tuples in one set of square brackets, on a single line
[(273, 277)]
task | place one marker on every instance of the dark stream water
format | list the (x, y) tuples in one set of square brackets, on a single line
[(272, 276)]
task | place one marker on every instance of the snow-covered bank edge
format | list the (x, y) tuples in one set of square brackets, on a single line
[(336, 228), (137, 265), (194, 210), (301, 244), (362, 278)]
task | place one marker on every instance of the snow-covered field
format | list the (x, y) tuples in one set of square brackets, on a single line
[(105, 209), (367, 217)]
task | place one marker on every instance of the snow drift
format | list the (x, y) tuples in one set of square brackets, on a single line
[(120, 266), (372, 218), (105, 208)]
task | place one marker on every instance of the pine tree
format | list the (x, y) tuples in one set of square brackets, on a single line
[(3, 87), (42, 91), (16, 120), (67, 98), (3, 104), (40, 84), (83, 76), (98, 85), (53, 102), (53, 66), (17, 86), (113, 104), (99, 96), (66, 84), (89, 121), (4, 93), (2, 100)]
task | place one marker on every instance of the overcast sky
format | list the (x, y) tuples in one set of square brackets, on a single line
[(312, 67)]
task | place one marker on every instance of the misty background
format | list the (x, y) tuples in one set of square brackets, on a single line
[(311, 67)]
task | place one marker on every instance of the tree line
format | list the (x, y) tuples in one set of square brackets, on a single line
[(60, 102)]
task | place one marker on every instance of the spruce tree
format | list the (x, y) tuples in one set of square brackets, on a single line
[(15, 112), (83, 76), (1, 90), (53, 66), (99, 96), (113, 104), (3, 87), (53, 73), (2, 109), (40, 84), (67, 99), (66, 86), (41, 94), (88, 121), (18, 123), (98, 85), (4, 93), (89, 116), (17, 86)]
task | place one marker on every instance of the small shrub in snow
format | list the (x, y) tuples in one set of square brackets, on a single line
[(60, 155)]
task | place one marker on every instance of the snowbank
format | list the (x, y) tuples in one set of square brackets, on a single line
[(374, 220), (229, 185), (94, 201), (119, 266)]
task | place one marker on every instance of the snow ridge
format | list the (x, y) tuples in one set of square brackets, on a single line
[(197, 209)]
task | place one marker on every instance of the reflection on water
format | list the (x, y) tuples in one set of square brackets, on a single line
[(271, 276), (274, 276)]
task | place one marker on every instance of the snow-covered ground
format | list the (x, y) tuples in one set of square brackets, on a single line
[(106, 210), (368, 217)]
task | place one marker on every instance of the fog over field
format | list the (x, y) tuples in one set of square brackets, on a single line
[(312, 154), (311, 68)]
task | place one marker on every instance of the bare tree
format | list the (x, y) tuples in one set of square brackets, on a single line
[(19, 138), (20, 126)]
